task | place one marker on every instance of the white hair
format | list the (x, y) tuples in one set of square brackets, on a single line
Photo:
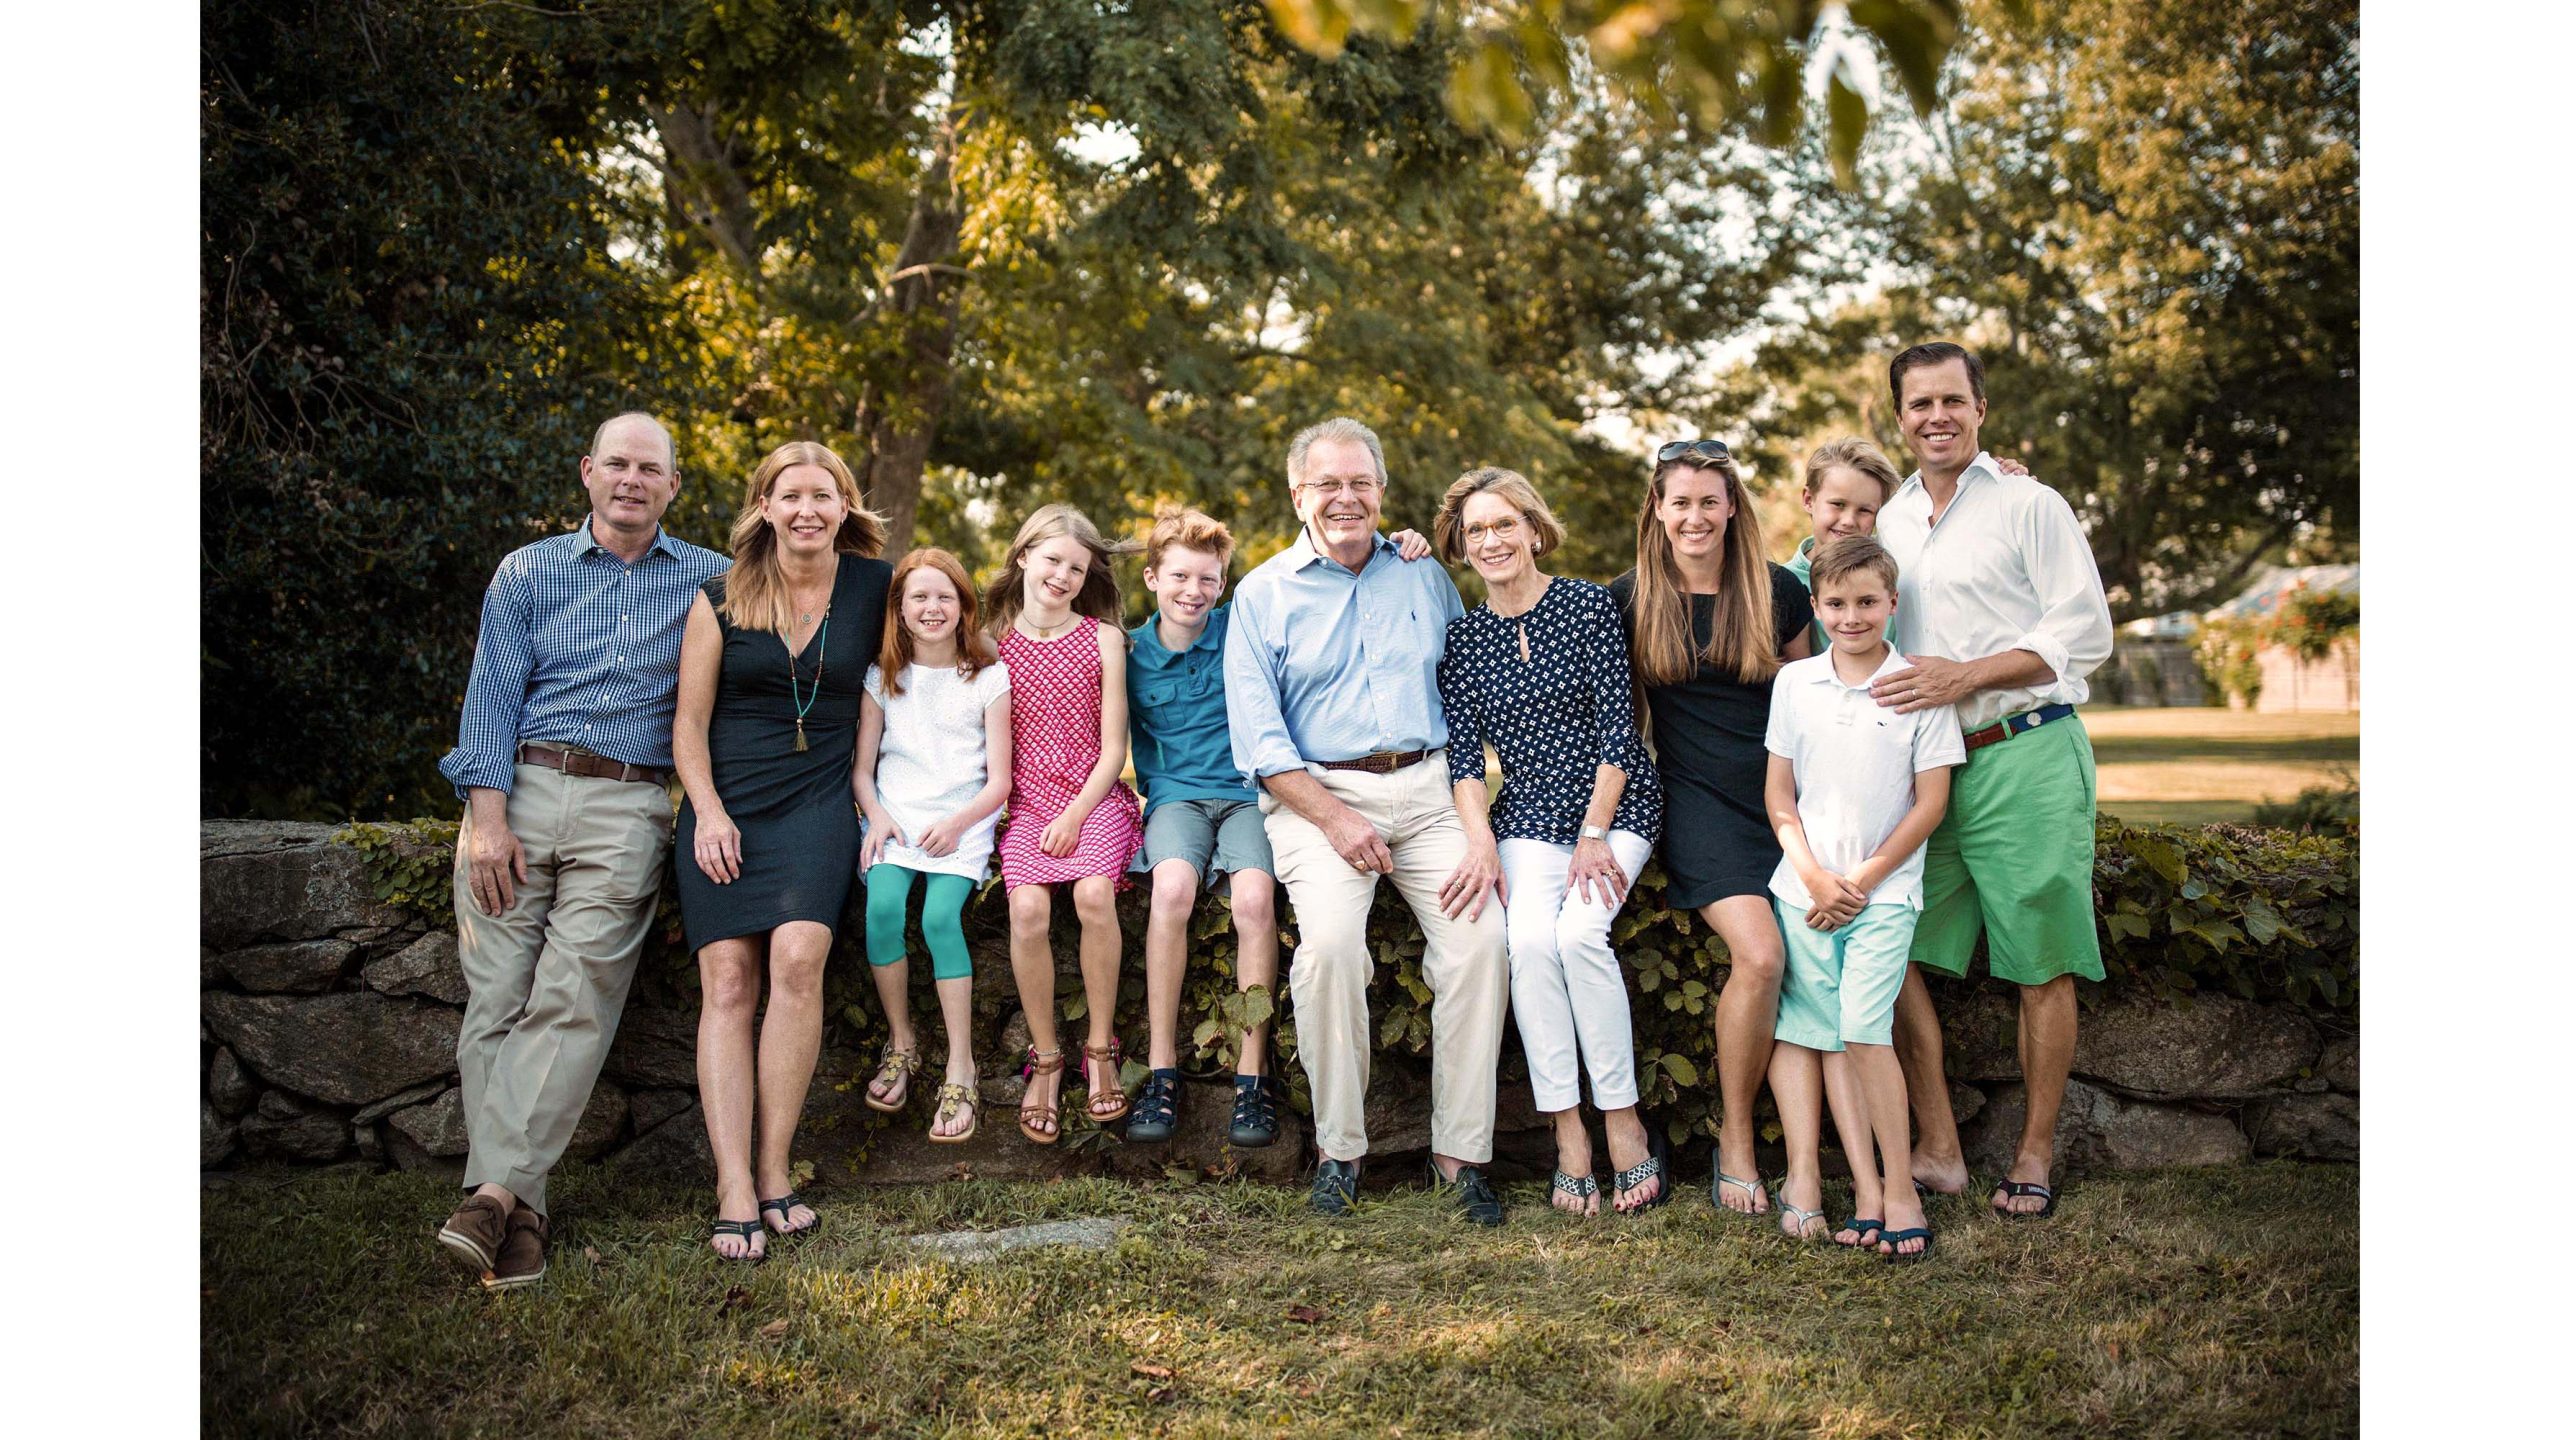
[(1341, 429)]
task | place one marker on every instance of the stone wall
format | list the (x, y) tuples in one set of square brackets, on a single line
[(329, 1024)]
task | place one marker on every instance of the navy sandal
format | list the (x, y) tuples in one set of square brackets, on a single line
[(1927, 1237), (785, 1204), (2028, 1190), (1862, 1227), (1151, 1118), (1257, 1119), (748, 1230)]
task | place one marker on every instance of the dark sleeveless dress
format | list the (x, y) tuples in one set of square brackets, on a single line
[(1710, 739), (794, 810)]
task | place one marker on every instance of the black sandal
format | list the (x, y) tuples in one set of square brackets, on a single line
[(1151, 1118), (784, 1204), (748, 1230), (1257, 1118), (1646, 1169), (2024, 1190), (1927, 1237), (1580, 1187)]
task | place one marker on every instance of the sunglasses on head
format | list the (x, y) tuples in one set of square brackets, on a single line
[(1679, 450)]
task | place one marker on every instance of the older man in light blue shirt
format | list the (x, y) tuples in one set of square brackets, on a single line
[(1333, 707)]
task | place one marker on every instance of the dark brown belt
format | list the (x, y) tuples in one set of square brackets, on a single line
[(593, 767), (1382, 763)]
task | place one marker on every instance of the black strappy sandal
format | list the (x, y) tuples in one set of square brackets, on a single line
[(748, 1230), (784, 1204)]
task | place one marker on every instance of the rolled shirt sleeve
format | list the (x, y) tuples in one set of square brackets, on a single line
[(1613, 690), (2074, 634), (1457, 706), (1256, 733), (493, 702)]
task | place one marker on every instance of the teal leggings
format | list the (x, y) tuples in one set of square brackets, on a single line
[(884, 917)]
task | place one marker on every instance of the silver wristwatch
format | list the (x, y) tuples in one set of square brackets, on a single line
[(1595, 832)]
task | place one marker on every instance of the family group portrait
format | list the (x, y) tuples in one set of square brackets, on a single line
[(1299, 717)]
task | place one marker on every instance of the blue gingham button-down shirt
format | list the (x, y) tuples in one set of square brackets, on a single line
[(578, 648)]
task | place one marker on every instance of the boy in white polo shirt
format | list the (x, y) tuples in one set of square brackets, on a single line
[(1854, 790)]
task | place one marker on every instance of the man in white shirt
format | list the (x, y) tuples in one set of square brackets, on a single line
[(2003, 617)]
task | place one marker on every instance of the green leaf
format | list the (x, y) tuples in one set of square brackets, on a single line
[(2161, 855), (1680, 1069)]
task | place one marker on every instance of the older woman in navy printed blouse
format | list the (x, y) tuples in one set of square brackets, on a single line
[(1540, 671)]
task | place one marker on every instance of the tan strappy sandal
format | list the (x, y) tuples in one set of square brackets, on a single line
[(1043, 1116), (897, 1067), (946, 1105), (1106, 1101)]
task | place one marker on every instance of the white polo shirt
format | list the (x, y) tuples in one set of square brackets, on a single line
[(2007, 567), (1854, 761)]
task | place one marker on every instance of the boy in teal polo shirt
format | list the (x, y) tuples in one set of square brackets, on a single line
[(1202, 825), (1201, 821)]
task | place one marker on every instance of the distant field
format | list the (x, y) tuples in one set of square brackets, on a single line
[(2189, 766)]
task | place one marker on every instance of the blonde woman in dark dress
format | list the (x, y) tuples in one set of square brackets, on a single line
[(768, 704), (1710, 619)]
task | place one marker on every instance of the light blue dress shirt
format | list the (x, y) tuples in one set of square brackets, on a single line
[(578, 648), (1327, 664)]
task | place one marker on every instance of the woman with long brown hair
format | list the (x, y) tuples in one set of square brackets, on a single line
[(768, 701), (1711, 619)]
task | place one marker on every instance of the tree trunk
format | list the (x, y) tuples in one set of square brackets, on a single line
[(897, 424)]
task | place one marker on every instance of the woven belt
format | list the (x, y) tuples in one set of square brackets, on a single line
[(1384, 762), (593, 767), (2015, 725)]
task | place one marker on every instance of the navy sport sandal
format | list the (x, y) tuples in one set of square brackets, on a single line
[(1152, 1117), (1257, 1118)]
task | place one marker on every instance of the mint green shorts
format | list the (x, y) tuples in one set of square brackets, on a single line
[(2014, 858), (1839, 985)]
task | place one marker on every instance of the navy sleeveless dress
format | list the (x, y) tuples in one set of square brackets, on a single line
[(794, 810)]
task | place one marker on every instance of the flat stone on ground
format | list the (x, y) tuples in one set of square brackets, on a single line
[(962, 1247)]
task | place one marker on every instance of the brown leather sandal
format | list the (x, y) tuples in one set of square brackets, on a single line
[(1043, 1116), (897, 1067), (946, 1105), (1105, 1101)]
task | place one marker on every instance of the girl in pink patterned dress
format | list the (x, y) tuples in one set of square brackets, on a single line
[(1054, 610)]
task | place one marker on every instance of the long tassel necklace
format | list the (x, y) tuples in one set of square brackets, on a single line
[(800, 710)]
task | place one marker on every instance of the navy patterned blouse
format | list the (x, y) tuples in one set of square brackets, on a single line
[(1552, 718)]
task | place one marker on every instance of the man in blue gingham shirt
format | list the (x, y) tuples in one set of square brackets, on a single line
[(563, 764)]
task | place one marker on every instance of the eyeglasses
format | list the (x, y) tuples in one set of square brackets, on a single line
[(1505, 530), (1327, 489), (1679, 450)]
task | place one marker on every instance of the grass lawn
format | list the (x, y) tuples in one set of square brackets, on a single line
[(2192, 765), (2204, 1302)]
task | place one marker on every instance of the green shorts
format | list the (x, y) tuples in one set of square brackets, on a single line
[(2014, 857), (1839, 985)]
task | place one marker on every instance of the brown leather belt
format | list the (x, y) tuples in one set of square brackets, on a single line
[(593, 767), (1382, 763)]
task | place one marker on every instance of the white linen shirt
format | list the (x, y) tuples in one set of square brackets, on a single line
[(2007, 567), (1854, 761)]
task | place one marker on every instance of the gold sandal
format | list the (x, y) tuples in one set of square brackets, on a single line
[(897, 1067), (1105, 1102), (1045, 1116), (946, 1105)]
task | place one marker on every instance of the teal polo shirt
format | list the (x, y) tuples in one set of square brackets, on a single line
[(1178, 717), (1800, 565)]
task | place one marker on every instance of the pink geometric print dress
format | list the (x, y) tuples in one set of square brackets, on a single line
[(1057, 737)]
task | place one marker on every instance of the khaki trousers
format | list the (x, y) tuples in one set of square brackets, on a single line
[(1462, 960), (549, 976)]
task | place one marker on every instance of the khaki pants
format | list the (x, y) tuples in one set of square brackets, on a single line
[(1462, 960), (549, 976)]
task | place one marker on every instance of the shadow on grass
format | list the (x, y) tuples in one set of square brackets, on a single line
[(2207, 1301)]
